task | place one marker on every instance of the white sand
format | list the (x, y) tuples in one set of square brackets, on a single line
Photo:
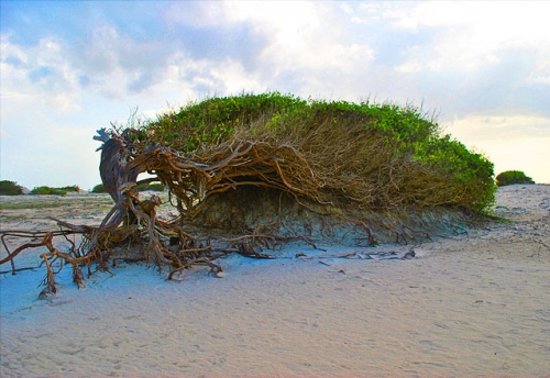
[(478, 304)]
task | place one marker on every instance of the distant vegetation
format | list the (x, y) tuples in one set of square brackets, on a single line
[(55, 191), (513, 177), (10, 188), (156, 187), (98, 189)]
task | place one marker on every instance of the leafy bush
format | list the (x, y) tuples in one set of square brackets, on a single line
[(10, 188), (55, 191), (214, 119), (72, 188), (378, 155), (48, 190), (513, 177), (99, 188), (157, 187)]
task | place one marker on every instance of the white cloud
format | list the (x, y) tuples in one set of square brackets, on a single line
[(484, 127), (472, 34), (288, 20), (39, 73), (235, 78), (296, 32), (411, 66), (460, 58)]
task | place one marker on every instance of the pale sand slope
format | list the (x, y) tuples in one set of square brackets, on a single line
[(478, 304)]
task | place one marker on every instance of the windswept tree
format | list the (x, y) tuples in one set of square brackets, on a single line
[(252, 171)]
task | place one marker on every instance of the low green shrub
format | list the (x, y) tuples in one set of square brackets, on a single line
[(99, 188), (46, 190), (55, 191), (10, 188), (155, 187), (513, 177), (72, 188)]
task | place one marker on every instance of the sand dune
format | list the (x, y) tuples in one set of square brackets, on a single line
[(473, 304)]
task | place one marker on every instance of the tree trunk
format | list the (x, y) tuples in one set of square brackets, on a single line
[(113, 167)]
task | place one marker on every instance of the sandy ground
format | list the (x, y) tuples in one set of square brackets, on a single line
[(468, 305)]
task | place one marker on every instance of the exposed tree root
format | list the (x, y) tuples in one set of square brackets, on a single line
[(131, 230)]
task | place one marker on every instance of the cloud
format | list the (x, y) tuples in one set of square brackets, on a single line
[(480, 128), (116, 65), (465, 60), (472, 34), (399, 51), (38, 72)]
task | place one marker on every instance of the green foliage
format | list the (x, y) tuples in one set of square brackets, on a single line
[(55, 191), (48, 190), (461, 178), (10, 188), (156, 187), (72, 188), (513, 177), (470, 173), (215, 119), (99, 188)]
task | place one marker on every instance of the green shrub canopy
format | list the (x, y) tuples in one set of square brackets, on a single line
[(371, 156), (55, 191), (99, 188), (10, 188), (155, 187), (513, 177)]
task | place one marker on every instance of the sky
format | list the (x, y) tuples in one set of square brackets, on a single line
[(69, 68)]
